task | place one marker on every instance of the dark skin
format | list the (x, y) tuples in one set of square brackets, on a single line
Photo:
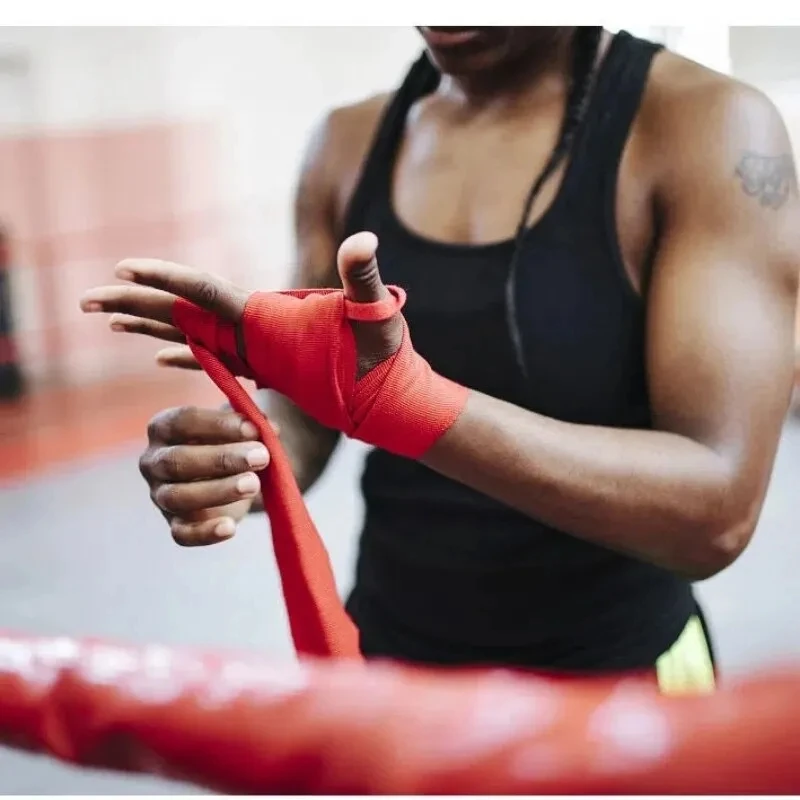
[(707, 187)]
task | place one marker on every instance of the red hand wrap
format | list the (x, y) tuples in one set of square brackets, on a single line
[(301, 344), (319, 624)]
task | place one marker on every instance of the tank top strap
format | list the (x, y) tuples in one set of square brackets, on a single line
[(375, 179), (613, 107)]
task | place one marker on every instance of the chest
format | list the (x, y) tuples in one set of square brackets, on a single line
[(551, 337), (561, 334), (468, 184)]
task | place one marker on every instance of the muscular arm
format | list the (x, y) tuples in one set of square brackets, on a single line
[(720, 356)]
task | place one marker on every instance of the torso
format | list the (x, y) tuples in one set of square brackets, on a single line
[(436, 166), (447, 575)]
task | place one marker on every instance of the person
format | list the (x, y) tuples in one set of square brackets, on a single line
[(598, 238)]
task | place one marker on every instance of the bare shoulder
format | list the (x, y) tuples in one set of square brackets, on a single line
[(338, 148), (679, 84), (722, 162), (695, 117), (358, 119)]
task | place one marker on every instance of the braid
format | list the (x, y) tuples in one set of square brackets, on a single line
[(585, 45)]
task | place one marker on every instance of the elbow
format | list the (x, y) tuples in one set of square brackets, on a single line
[(718, 543)]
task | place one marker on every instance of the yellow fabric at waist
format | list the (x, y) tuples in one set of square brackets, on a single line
[(687, 668)]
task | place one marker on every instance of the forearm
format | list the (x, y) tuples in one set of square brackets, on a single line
[(657, 496), (308, 445)]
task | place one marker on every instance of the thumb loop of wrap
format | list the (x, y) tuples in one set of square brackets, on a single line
[(377, 311)]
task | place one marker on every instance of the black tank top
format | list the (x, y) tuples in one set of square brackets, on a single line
[(446, 575)]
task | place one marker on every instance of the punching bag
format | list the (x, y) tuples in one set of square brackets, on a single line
[(11, 381)]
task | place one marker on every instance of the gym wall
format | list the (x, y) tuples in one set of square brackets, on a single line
[(184, 143), (181, 143)]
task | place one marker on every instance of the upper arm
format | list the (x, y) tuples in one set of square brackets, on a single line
[(314, 220), (723, 295), (329, 172), (330, 168)]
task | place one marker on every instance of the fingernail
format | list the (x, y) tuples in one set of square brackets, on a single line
[(92, 307), (124, 274), (225, 529), (258, 457), (117, 327), (249, 431), (247, 484)]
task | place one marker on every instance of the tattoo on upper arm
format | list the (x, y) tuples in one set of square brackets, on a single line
[(770, 179)]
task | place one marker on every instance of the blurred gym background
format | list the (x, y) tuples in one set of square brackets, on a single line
[(184, 143)]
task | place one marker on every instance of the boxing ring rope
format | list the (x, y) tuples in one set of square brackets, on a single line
[(240, 724)]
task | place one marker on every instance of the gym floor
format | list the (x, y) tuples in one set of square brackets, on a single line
[(84, 553)]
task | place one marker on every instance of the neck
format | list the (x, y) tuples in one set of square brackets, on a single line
[(545, 66)]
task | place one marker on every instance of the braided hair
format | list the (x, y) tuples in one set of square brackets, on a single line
[(585, 47)]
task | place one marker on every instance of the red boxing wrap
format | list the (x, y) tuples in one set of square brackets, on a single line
[(300, 343)]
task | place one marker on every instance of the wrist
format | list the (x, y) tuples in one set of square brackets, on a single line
[(413, 406)]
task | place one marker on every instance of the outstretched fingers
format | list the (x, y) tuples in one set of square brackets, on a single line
[(208, 291), (123, 323)]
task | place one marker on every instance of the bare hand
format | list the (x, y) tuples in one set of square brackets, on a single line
[(201, 467)]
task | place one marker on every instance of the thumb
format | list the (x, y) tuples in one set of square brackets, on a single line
[(358, 269)]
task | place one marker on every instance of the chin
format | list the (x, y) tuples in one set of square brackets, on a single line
[(465, 51)]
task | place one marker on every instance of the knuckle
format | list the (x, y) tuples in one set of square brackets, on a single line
[(185, 415), (158, 426), (146, 464), (128, 299), (226, 462), (122, 293), (154, 498), (208, 292), (168, 463), (180, 423), (229, 426), (165, 497), (164, 425)]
